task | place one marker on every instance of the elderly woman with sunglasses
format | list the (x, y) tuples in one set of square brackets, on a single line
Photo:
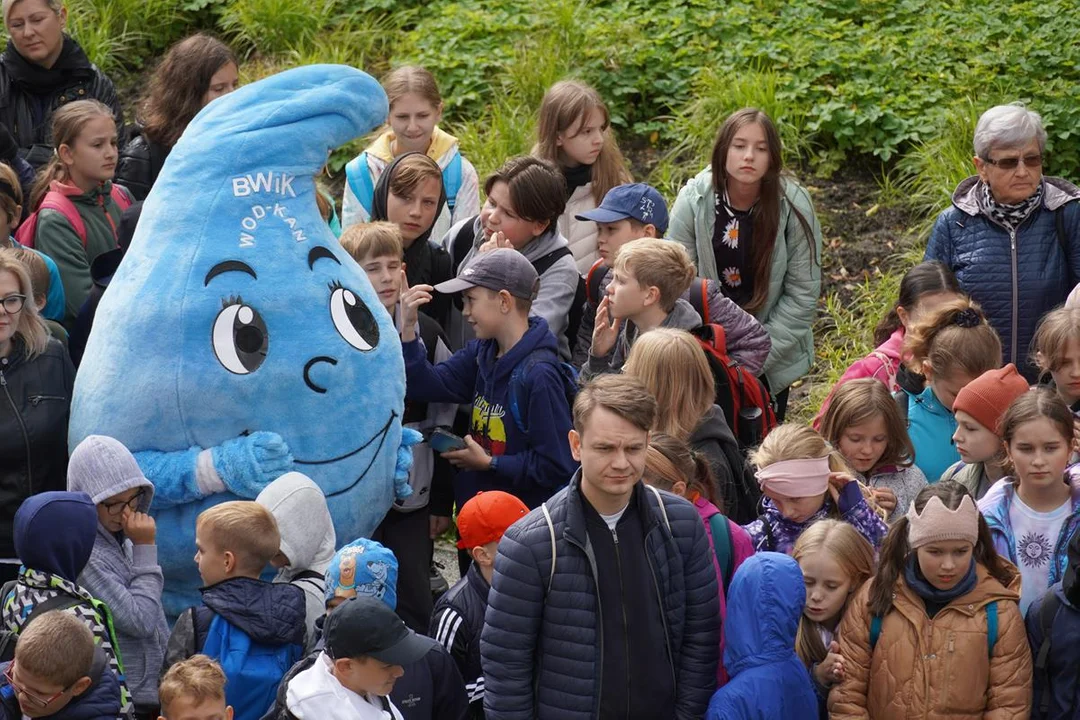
[(36, 378), (1012, 235)]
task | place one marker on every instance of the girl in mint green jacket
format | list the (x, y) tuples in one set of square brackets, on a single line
[(753, 229)]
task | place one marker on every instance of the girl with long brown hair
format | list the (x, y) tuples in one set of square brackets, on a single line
[(750, 226)]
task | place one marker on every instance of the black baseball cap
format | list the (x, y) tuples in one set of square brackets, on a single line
[(365, 626)]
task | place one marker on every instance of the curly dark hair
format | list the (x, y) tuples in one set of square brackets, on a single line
[(175, 93)]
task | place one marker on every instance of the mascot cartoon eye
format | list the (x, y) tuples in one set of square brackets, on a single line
[(352, 319), (240, 338)]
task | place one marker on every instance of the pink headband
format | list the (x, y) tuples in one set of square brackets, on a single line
[(796, 478), (938, 523)]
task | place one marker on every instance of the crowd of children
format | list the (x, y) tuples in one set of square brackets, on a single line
[(601, 382)]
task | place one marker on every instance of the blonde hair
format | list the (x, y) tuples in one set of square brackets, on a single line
[(38, 270), (955, 337), (858, 401), (55, 5), (197, 679), (10, 205), (1052, 337), (246, 529), (658, 263), (672, 366), (855, 556), (31, 328), (566, 103), (67, 124), (58, 647), (411, 79), (372, 240)]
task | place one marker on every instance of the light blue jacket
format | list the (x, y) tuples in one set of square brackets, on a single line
[(931, 426)]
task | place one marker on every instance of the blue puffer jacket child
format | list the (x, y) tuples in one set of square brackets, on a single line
[(1016, 278), (768, 681)]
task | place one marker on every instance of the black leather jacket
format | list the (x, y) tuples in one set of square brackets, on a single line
[(35, 398)]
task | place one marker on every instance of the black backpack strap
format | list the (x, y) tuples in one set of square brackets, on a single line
[(542, 264), (311, 577), (902, 400), (462, 243), (1050, 606)]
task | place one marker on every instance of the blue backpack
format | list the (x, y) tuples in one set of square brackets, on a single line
[(254, 670), (519, 389), (358, 175)]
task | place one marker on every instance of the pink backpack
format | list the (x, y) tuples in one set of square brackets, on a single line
[(60, 202)]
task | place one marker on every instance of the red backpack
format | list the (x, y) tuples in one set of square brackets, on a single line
[(738, 393), (60, 202)]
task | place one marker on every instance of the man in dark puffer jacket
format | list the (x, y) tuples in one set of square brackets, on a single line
[(622, 619), (1012, 236)]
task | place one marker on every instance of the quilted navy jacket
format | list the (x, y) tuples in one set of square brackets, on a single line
[(1016, 278), (540, 647)]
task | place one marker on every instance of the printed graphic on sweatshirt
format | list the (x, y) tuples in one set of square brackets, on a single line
[(1034, 550), (488, 429)]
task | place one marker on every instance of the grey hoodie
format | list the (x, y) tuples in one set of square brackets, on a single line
[(125, 577), (307, 537), (557, 286), (682, 316)]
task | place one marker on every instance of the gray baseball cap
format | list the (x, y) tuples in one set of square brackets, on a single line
[(502, 269)]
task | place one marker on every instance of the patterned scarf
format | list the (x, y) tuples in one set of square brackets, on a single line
[(34, 587), (1010, 216)]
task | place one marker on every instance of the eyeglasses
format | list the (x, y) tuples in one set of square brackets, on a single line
[(1011, 163), (34, 699), (117, 507), (13, 303)]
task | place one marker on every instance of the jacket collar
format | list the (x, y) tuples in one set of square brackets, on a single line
[(1056, 192), (997, 514), (477, 583), (987, 590), (575, 510)]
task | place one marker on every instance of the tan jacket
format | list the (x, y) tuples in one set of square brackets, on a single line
[(930, 669)]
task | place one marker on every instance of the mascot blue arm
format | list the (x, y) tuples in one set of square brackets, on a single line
[(238, 340)]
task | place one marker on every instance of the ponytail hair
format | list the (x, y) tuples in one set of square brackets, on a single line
[(670, 460), (896, 550), (926, 278), (67, 124), (855, 556), (955, 337)]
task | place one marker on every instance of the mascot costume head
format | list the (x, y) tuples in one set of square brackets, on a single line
[(237, 340)]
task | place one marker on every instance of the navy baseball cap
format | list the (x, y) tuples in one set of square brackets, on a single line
[(636, 201)]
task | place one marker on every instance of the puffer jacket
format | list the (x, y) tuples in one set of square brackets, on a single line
[(140, 162), (1016, 277), (581, 234), (940, 668), (35, 397), (794, 279), (540, 646), (27, 105), (1061, 662)]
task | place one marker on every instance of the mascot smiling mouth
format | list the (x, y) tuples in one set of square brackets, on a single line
[(380, 436)]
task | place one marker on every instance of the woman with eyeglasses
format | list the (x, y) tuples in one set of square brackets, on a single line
[(1012, 235), (36, 379)]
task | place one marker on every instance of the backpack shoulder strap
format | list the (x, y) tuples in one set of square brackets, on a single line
[(699, 299), (56, 602), (542, 264), (551, 530), (358, 175), (721, 537), (991, 627), (451, 175), (519, 380), (63, 205), (660, 502), (593, 279), (120, 196), (460, 244), (1047, 613), (875, 631), (902, 401)]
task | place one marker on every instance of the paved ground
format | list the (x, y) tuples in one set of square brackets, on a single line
[(446, 555)]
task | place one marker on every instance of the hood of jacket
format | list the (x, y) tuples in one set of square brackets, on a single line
[(1056, 192), (441, 149), (765, 601), (307, 530), (495, 371), (713, 426), (271, 613), (90, 456), (41, 546), (682, 317), (381, 195)]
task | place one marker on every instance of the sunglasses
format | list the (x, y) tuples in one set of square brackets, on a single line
[(1011, 163), (34, 699)]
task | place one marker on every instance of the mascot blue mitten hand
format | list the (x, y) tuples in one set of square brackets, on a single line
[(238, 340), (402, 488)]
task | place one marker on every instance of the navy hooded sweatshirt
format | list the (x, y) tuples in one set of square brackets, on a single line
[(530, 465), (100, 701), (41, 547)]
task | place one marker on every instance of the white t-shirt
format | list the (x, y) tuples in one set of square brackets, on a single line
[(613, 519), (1036, 535)]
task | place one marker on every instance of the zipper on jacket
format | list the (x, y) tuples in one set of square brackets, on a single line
[(1015, 298), (115, 232), (622, 598), (35, 400), (25, 434)]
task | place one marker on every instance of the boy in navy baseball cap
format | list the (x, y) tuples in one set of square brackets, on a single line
[(628, 212)]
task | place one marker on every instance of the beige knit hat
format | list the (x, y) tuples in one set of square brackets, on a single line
[(937, 522)]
